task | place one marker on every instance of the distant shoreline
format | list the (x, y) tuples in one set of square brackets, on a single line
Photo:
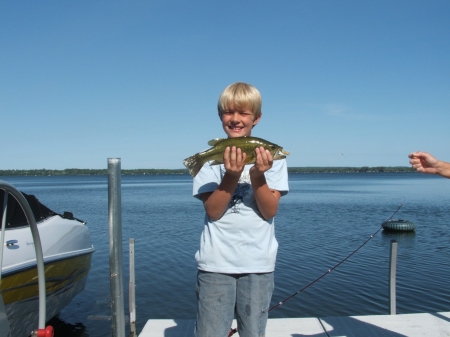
[(77, 172)]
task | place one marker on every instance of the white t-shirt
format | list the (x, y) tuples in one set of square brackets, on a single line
[(241, 241)]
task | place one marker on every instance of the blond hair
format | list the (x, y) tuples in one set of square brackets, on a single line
[(240, 95)]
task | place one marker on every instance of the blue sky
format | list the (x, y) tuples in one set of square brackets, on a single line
[(83, 81)]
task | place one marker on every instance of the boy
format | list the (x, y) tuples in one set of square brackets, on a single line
[(238, 248)]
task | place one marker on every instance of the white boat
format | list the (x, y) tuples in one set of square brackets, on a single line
[(67, 250)]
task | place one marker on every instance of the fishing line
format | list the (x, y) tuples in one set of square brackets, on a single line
[(233, 331)]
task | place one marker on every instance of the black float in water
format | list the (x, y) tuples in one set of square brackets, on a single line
[(397, 225)]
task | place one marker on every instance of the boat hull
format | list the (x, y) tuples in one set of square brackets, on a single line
[(64, 279), (67, 251)]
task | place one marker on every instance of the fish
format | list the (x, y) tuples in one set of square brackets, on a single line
[(246, 144)]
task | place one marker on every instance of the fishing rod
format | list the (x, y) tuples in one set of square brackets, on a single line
[(233, 331)]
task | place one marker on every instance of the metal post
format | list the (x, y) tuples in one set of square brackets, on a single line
[(37, 246), (115, 247), (2, 234), (132, 296), (392, 277), (4, 324)]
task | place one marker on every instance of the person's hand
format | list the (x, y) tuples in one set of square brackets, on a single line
[(234, 161), (423, 162), (264, 161)]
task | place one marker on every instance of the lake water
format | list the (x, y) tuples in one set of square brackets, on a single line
[(323, 219)]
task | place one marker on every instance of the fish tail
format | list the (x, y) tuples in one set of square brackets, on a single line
[(194, 164)]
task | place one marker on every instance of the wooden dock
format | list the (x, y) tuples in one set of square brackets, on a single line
[(406, 325)]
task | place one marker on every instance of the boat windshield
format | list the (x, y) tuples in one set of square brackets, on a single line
[(15, 217)]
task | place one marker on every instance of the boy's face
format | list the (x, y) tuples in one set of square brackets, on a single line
[(238, 122)]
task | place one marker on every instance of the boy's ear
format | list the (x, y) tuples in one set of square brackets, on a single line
[(256, 120)]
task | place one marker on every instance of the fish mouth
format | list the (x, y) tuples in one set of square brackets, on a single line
[(285, 152)]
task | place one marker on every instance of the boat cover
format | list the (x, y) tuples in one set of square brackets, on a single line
[(15, 216)]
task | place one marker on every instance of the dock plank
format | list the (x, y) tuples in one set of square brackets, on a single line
[(409, 325), (275, 327), (168, 328), (406, 325)]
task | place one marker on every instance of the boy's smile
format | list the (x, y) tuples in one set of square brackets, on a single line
[(238, 123)]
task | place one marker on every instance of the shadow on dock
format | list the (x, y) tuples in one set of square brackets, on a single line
[(351, 327), (183, 328), (440, 316)]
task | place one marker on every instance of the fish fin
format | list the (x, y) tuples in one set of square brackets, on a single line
[(194, 164), (214, 141), (215, 162)]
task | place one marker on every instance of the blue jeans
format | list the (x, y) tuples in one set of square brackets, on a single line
[(221, 296)]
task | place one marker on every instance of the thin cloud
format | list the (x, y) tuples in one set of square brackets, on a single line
[(345, 111)]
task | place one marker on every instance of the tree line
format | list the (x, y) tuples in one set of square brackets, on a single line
[(74, 171), (364, 169)]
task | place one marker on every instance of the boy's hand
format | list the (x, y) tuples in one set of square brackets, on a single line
[(234, 161), (264, 161), (426, 163), (423, 162)]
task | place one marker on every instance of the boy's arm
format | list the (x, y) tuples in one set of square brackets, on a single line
[(216, 203), (267, 199)]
